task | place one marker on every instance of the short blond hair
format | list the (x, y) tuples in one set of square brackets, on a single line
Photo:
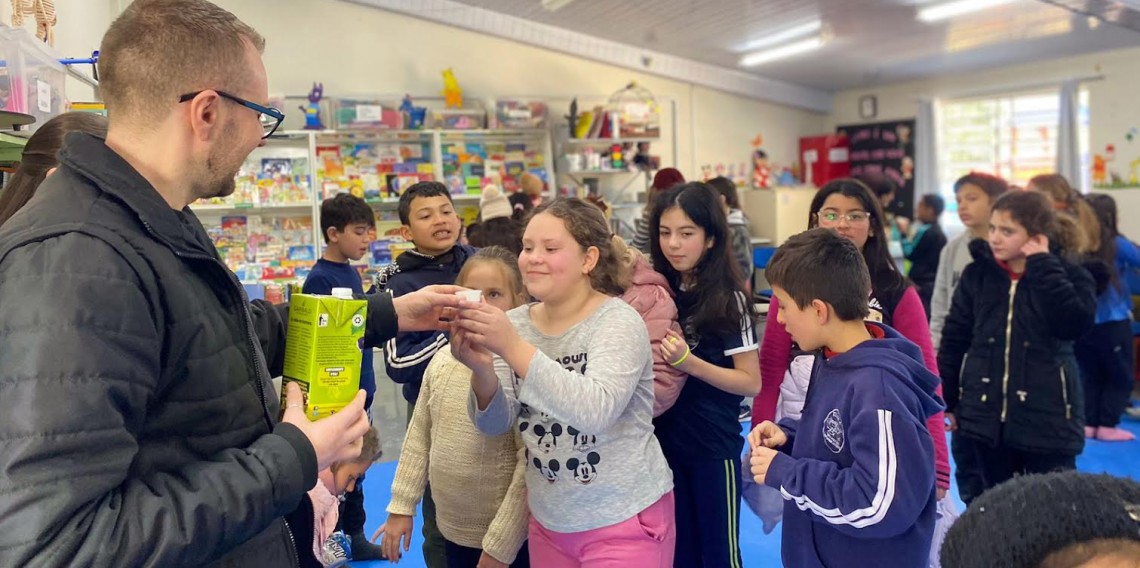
[(158, 50)]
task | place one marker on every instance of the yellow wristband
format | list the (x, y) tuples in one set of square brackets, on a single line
[(683, 357)]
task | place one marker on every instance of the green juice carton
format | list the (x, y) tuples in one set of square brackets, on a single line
[(322, 350)]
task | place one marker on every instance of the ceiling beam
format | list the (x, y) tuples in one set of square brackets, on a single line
[(586, 46)]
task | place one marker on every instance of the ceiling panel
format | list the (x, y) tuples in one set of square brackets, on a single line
[(871, 41)]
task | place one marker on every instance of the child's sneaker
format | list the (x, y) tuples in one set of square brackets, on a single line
[(336, 551)]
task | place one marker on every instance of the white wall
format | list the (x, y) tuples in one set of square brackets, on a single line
[(1113, 108), (373, 51), (358, 50)]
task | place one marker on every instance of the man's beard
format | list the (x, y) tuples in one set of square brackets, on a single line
[(217, 183), (224, 184)]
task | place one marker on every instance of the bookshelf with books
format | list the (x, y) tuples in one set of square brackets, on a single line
[(264, 231), (268, 230), (465, 161)]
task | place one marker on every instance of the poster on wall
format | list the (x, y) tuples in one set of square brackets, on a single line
[(887, 149)]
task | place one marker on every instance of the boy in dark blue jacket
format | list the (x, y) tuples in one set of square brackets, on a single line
[(857, 470), (347, 223), (431, 224)]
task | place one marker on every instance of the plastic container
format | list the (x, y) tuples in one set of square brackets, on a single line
[(362, 114), (459, 119), (31, 78), (520, 114)]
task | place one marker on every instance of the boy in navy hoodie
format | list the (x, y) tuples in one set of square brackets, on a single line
[(857, 470), (347, 223), (431, 224)]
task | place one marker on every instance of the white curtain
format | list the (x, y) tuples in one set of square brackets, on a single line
[(926, 149), (1068, 135)]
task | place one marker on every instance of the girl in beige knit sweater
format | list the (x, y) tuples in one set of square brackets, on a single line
[(476, 480)]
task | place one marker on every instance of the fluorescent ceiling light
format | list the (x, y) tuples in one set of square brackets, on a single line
[(796, 48), (954, 9), (555, 5), (784, 36)]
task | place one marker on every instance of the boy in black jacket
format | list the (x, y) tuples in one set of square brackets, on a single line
[(924, 246)]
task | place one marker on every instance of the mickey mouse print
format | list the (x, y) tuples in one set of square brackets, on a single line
[(560, 452), (583, 407)]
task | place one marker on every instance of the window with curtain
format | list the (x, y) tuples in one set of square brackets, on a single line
[(1013, 136)]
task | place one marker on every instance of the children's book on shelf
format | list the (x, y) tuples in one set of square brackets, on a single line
[(265, 249), (469, 166), (372, 171), (276, 180)]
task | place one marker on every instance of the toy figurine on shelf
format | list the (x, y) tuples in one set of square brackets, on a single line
[(617, 157), (761, 173), (645, 162), (415, 115), (44, 13), (572, 118), (787, 177), (313, 109), (452, 94)]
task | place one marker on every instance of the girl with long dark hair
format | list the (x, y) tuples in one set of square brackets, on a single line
[(700, 435)]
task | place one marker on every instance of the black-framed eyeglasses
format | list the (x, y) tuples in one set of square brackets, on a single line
[(269, 117)]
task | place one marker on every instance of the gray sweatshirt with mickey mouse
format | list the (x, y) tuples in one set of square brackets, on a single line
[(585, 411)]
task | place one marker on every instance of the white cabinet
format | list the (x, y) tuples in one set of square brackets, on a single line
[(777, 213)]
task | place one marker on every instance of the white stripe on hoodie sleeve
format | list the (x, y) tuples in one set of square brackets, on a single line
[(889, 479), (416, 357), (884, 491)]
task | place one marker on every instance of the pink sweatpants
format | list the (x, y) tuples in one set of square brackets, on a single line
[(645, 540)]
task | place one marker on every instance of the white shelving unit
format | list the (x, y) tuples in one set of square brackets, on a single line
[(623, 189), (300, 149), (537, 137), (272, 206)]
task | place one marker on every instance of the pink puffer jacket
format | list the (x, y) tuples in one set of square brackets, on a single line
[(650, 295)]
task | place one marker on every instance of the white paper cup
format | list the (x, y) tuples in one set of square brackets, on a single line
[(472, 296)]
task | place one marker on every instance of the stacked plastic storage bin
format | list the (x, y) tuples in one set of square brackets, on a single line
[(31, 77)]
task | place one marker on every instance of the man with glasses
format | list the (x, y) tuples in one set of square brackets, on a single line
[(138, 423)]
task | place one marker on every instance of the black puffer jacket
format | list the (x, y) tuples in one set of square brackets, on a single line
[(138, 425), (1012, 378)]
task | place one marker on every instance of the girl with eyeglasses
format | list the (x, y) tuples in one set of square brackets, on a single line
[(850, 208)]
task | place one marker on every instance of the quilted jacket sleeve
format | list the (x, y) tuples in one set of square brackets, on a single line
[(659, 311), (81, 359), (269, 325)]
